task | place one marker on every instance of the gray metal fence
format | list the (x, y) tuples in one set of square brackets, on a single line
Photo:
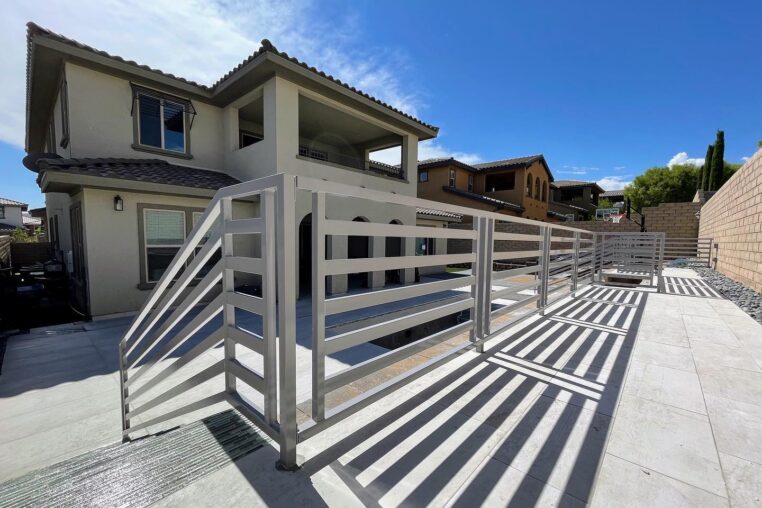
[(557, 260)]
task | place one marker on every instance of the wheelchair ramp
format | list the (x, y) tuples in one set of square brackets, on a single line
[(141, 472)]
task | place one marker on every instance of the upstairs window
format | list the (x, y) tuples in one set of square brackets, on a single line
[(452, 178), (470, 183), (423, 176), (162, 122), (2, 212), (529, 185)]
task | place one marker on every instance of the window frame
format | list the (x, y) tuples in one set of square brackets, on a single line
[(242, 133), (189, 112), (2, 211), (423, 176), (470, 183), (452, 179), (529, 185), (143, 246), (426, 242)]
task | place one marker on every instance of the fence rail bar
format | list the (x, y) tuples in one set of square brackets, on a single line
[(345, 266)]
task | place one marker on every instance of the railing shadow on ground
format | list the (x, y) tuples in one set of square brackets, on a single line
[(602, 324)]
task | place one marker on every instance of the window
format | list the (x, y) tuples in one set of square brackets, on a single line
[(495, 183), (545, 191), (537, 188), (529, 185), (470, 183), (2, 212), (64, 97), (162, 122), (248, 139), (164, 232), (423, 176), (212, 260), (424, 246), (452, 178)]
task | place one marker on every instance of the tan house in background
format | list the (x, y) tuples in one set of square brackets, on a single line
[(518, 187), (128, 158)]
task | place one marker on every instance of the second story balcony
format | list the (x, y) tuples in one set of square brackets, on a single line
[(352, 162)]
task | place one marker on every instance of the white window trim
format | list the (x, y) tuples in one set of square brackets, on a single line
[(161, 123)]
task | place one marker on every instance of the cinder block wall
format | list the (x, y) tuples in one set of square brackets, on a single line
[(733, 217), (677, 220), (600, 226)]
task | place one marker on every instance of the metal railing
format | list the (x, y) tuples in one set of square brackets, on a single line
[(561, 260), (352, 162), (635, 256), (699, 248)]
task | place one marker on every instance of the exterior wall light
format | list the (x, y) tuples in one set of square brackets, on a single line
[(118, 203)]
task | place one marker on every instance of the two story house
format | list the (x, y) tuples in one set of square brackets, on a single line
[(576, 199), (11, 215), (517, 187), (129, 157)]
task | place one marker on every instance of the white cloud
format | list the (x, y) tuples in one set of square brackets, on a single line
[(199, 40), (744, 159), (613, 182), (576, 170), (682, 159)]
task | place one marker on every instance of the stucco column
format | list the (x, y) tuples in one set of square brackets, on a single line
[(281, 123), (410, 161), (377, 250), (337, 249), (408, 249)]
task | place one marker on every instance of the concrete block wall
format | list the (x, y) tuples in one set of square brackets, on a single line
[(599, 226), (677, 220), (733, 217)]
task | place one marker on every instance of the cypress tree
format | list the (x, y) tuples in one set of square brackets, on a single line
[(718, 162), (703, 182)]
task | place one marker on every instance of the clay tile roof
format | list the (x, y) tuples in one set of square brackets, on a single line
[(266, 47), (516, 161), (612, 193), (11, 202), (7, 228), (142, 170), (498, 203)]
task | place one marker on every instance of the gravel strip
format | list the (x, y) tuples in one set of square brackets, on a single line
[(749, 300)]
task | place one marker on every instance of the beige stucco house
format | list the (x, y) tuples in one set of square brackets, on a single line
[(128, 157), (11, 215)]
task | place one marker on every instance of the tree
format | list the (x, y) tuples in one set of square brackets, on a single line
[(663, 185), (605, 203), (718, 162), (703, 182)]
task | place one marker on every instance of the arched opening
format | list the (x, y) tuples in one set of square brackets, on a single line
[(537, 188), (393, 250), (529, 185), (545, 191), (305, 255), (358, 247)]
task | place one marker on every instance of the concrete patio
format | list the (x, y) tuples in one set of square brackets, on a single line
[(614, 397)]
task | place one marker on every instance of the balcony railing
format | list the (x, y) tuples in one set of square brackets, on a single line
[(352, 162)]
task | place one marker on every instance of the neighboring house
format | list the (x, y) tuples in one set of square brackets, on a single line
[(575, 198), (517, 187), (615, 196), (11, 215), (129, 157), (428, 217)]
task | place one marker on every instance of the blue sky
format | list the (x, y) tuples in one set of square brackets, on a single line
[(605, 89)]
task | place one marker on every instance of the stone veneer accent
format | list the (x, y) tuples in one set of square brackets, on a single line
[(733, 217)]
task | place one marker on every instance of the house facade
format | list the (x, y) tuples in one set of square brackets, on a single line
[(11, 215), (576, 199), (519, 187), (129, 157)]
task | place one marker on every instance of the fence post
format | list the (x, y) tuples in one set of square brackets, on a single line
[(287, 320), (575, 263), (660, 279), (269, 290), (228, 286), (318, 306), (478, 270), (124, 393), (545, 269)]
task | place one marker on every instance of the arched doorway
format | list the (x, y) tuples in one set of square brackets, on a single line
[(358, 247), (394, 249), (305, 255)]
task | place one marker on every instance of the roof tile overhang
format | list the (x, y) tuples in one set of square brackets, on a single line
[(498, 203), (438, 214), (152, 173), (46, 51), (486, 167), (12, 202), (571, 184)]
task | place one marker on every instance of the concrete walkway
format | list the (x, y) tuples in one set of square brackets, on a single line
[(616, 398)]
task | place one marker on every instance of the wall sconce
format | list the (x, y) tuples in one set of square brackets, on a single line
[(118, 203)]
